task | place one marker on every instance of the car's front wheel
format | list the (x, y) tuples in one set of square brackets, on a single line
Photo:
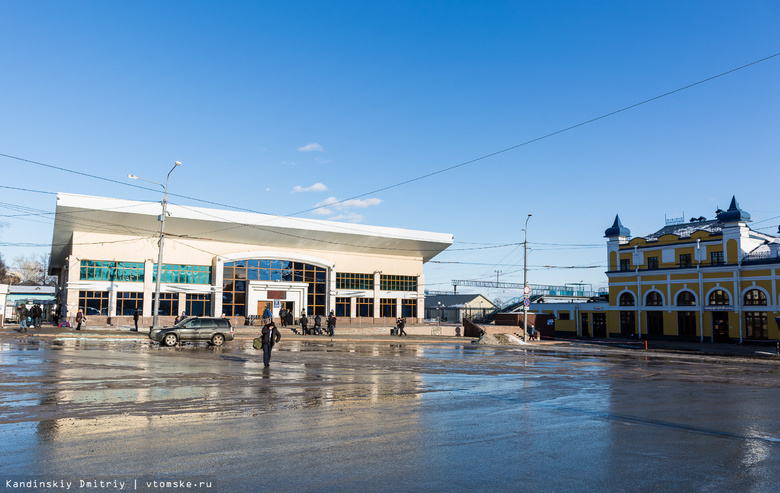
[(170, 340), (218, 339)]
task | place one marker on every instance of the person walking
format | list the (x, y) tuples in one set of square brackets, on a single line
[(283, 317), (331, 323), (267, 316), (401, 324), (36, 315), (270, 336), (21, 310), (304, 324), (79, 318), (136, 315), (57, 315), (317, 325)]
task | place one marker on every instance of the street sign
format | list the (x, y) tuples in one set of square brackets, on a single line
[(527, 302), (526, 290)]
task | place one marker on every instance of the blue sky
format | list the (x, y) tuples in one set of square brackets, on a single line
[(280, 107)]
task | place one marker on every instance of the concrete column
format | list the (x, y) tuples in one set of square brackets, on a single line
[(377, 285), (217, 276)]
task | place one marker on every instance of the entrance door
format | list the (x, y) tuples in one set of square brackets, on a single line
[(599, 325), (720, 326), (585, 331), (261, 307)]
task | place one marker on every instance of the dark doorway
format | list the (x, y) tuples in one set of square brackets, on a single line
[(720, 327), (599, 325)]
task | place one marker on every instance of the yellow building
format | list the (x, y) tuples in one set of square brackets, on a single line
[(706, 280)]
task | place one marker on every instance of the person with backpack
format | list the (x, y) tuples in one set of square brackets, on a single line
[(304, 324), (331, 323), (21, 310), (317, 330)]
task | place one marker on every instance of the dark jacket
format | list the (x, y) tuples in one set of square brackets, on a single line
[(331, 321), (270, 334)]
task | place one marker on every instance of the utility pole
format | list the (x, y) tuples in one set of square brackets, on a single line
[(525, 281), (498, 273)]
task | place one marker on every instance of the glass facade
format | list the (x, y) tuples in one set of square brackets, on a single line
[(387, 307), (169, 304), (93, 302), (347, 280), (198, 305), (409, 308), (342, 307), (397, 283), (184, 274), (109, 270), (127, 302), (364, 307), (237, 274)]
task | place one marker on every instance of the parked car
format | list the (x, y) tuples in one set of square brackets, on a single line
[(214, 330)]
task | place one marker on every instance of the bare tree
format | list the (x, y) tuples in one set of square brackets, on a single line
[(4, 278), (31, 271)]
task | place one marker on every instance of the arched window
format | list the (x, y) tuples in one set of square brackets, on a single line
[(718, 297), (686, 298), (653, 298), (626, 299), (755, 297)]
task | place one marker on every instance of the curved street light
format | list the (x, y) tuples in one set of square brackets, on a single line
[(156, 308), (525, 280)]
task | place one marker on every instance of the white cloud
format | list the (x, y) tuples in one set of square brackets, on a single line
[(312, 147), (317, 187), (289, 163), (331, 205)]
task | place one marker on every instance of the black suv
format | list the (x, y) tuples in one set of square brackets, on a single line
[(215, 330)]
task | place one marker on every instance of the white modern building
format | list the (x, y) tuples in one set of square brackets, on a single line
[(219, 262)]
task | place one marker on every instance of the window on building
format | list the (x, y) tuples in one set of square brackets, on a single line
[(127, 302), (653, 298), (719, 297), (198, 305), (237, 274), (564, 316), (169, 304), (716, 258), (655, 323), (349, 280), (397, 283), (184, 274), (409, 308), (625, 264), (756, 325), (686, 323), (94, 302), (755, 297), (626, 299), (685, 260), (364, 307), (343, 307), (105, 270), (627, 323), (686, 298), (652, 263), (387, 307)]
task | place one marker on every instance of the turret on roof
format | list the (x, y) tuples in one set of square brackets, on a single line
[(617, 229)]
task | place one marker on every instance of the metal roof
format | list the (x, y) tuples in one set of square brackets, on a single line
[(83, 213)]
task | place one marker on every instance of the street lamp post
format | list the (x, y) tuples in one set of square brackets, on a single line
[(156, 308), (525, 280)]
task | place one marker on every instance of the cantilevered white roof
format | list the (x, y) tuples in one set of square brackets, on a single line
[(85, 213)]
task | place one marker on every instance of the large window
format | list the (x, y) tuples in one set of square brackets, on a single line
[(756, 325), (626, 299), (387, 307), (655, 323), (625, 264), (127, 302), (685, 260), (105, 270), (198, 305), (398, 283), (654, 298), (716, 258), (184, 274), (364, 307), (652, 262), (343, 307), (686, 298), (686, 323), (169, 304), (93, 302), (755, 297), (347, 280), (237, 274), (409, 308), (719, 297)]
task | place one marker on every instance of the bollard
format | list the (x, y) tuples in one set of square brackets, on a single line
[(778, 348), (645, 344)]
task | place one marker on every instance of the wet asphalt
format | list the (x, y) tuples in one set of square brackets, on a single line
[(382, 415)]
